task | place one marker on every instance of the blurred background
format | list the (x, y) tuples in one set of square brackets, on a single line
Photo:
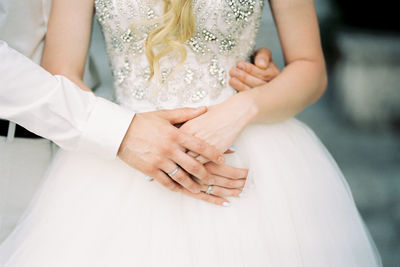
[(358, 119)]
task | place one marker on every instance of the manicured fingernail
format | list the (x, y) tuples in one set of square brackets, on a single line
[(149, 179), (226, 204), (261, 62), (241, 66), (221, 159), (233, 148), (241, 195)]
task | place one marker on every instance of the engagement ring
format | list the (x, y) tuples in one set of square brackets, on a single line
[(209, 189)]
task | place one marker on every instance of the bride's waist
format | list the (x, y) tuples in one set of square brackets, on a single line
[(171, 101), (200, 81)]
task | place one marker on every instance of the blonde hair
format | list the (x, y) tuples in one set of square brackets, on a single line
[(176, 27)]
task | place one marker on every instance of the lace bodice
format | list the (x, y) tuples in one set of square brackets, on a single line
[(224, 34)]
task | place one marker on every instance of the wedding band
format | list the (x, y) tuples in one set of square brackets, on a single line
[(172, 173), (209, 189)]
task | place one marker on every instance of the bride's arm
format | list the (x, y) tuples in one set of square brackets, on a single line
[(67, 40), (303, 80), (301, 83)]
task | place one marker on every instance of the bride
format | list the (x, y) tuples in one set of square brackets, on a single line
[(296, 208)]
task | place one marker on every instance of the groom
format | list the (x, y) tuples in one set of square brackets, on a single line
[(54, 108)]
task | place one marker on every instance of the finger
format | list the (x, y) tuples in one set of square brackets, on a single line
[(238, 85), (228, 183), (202, 159), (180, 115), (191, 165), (273, 70), (192, 154), (198, 157), (208, 198), (246, 78), (264, 74), (181, 177), (201, 147), (222, 191), (262, 57), (226, 171), (165, 181)]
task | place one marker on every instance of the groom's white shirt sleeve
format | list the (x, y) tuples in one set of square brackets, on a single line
[(55, 108)]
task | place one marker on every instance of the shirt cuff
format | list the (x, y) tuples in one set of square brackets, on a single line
[(105, 129)]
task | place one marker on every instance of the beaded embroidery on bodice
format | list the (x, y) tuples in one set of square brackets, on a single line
[(225, 33)]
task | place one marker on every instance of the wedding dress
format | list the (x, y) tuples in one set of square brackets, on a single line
[(297, 209)]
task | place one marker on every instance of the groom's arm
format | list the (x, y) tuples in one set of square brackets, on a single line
[(57, 109)]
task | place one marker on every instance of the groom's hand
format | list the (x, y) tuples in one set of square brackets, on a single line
[(154, 146), (247, 75)]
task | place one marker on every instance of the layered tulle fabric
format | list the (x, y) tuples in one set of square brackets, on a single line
[(297, 210)]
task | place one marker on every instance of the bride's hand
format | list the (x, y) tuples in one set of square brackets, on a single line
[(220, 126), (222, 123), (227, 181)]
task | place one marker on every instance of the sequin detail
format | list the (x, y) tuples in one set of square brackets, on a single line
[(224, 33), (216, 71), (241, 9), (121, 74)]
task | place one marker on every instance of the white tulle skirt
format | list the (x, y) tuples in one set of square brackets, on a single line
[(297, 210)]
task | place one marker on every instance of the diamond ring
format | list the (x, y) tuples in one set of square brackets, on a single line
[(172, 173), (209, 189)]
